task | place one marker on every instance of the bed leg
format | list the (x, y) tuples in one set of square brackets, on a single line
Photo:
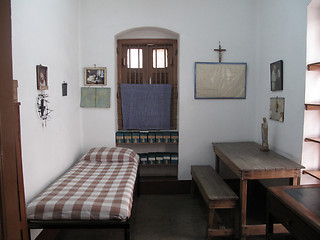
[(29, 234), (138, 182), (127, 233)]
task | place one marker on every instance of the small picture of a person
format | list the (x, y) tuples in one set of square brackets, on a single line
[(42, 81), (276, 76)]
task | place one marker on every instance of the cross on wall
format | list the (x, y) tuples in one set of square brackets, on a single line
[(220, 50)]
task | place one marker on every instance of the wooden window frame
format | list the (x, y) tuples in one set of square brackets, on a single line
[(146, 44)]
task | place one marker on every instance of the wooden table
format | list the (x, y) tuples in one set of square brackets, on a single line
[(249, 163), (297, 208)]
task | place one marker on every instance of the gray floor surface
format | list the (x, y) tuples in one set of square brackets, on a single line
[(156, 217)]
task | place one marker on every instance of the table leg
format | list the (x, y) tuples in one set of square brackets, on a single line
[(217, 167), (294, 181), (269, 225), (243, 205)]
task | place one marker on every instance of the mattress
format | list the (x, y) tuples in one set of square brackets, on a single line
[(98, 187)]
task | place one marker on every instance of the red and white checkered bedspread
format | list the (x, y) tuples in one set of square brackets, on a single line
[(98, 187)]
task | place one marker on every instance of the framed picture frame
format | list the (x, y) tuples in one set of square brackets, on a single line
[(215, 80), (276, 76), (42, 77), (277, 109), (96, 76)]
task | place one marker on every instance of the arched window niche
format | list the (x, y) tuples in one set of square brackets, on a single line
[(152, 43), (147, 32)]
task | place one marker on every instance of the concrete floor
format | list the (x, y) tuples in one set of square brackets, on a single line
[(156, 217)]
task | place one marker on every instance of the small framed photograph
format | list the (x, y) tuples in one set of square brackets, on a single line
[(277, 109), (95, 76), (42, 77), (276, 76)]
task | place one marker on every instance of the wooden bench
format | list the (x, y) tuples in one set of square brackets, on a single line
[(217, 195)]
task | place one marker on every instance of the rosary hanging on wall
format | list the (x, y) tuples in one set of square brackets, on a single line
[(43, 108)]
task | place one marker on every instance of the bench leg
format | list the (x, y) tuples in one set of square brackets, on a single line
[(236, 222), (221, 230), (192, 188), (210, 222), (211, 218)]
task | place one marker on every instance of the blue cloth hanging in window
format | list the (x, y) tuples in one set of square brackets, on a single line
[(146, 106)]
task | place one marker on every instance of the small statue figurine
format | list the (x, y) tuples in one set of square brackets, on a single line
[(264, 134)]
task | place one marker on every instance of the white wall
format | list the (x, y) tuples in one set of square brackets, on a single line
[(256, 32), (69, 35), (200, 26), (282, 36), (46, 32)]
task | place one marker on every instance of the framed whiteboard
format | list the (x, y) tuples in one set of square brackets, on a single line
[(220, 80)]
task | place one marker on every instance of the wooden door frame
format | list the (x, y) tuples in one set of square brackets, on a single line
[(9, 219)]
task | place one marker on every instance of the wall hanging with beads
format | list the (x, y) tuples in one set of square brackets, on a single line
[(43, 108)]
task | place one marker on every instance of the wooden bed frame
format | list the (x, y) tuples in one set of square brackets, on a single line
[(89, 224), (74, 224)]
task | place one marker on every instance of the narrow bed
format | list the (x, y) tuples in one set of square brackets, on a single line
[(97, 192)]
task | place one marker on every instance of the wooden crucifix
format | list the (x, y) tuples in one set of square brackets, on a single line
[(220, 50)]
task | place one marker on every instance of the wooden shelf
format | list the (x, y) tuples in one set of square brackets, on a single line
[(312, 139), (313, 173), (312, 106), (153, 171), (160, 165), (159, 170), (314, 66), (118, 144)]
